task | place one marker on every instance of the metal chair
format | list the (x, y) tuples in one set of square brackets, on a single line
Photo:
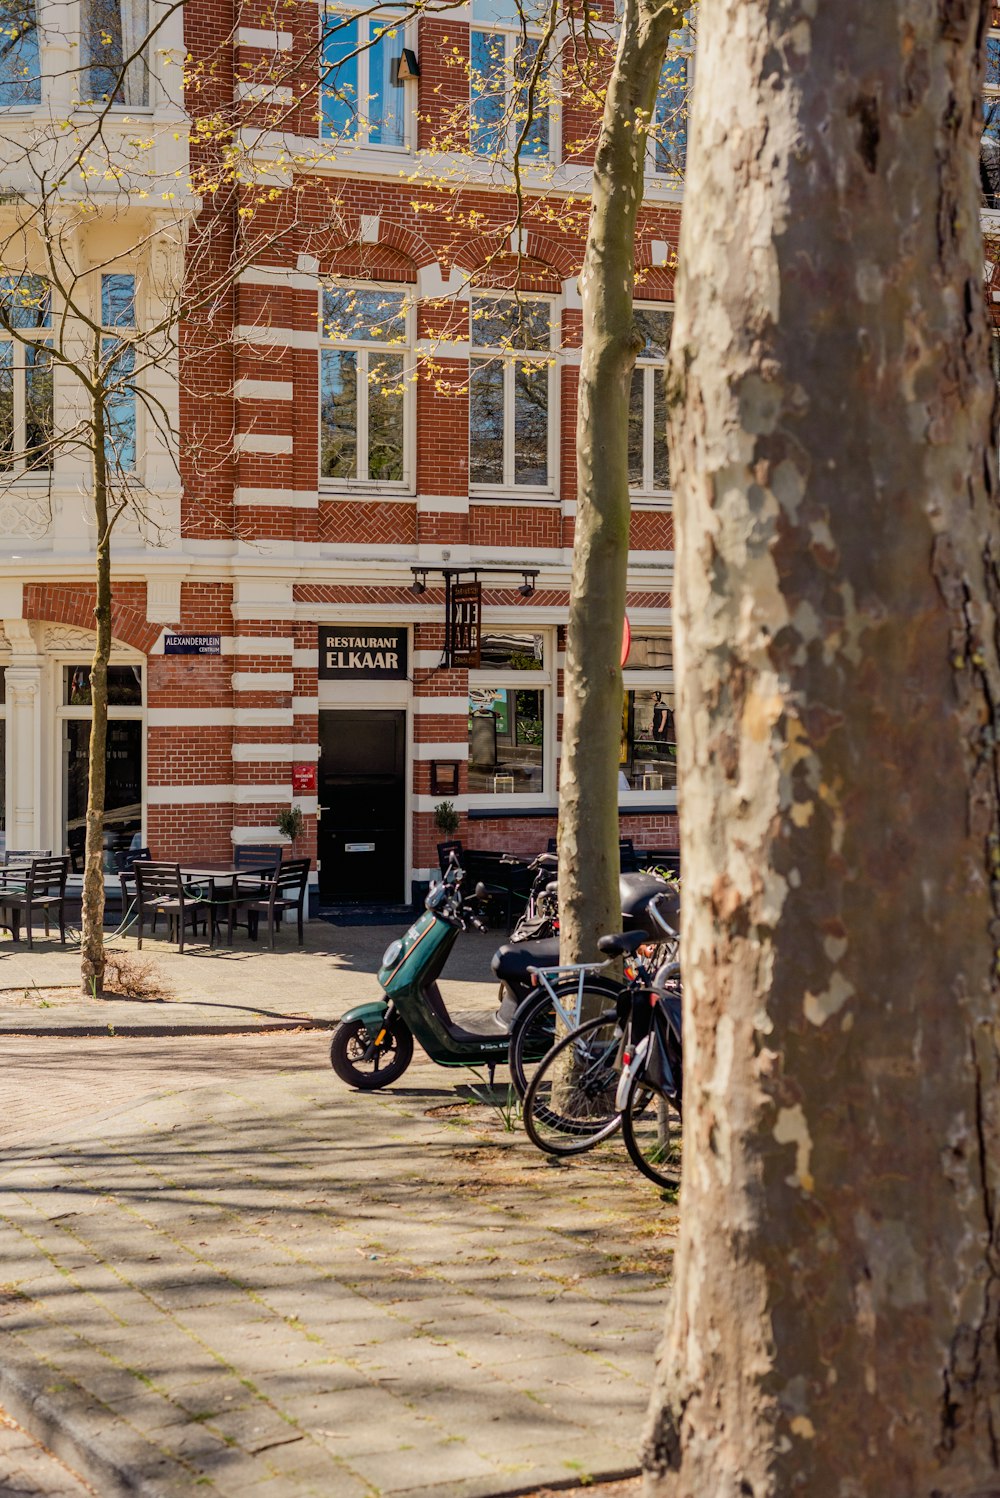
[(44, 893), (287, 891), (160, 889)]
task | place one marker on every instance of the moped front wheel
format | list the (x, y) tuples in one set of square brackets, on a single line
[(361, 1063)]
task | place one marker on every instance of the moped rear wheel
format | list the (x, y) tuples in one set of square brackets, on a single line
[(360, 1063)]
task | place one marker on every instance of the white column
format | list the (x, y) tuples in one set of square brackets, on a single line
[(24, 736)]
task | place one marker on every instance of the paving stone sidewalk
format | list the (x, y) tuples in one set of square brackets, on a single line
[(271, 1285), (227, 989)]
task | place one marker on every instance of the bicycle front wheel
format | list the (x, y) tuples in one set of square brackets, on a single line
[(533, 1031), (651, 1129), (570, 1102)]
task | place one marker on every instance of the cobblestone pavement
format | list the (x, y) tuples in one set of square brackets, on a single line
[(220, 1269), (27, 1470)]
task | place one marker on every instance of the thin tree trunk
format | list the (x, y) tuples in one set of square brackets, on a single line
[(92, 917), (588, 784), (836, 1314)]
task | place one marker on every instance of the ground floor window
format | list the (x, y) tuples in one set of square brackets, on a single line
[(506, 741), (649, 741), (123, 761)]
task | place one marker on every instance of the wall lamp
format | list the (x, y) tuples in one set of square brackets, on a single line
[(527, 587), (419, 583)]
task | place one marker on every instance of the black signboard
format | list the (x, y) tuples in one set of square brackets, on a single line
[(364, 654), (463, 630), (192, 644)]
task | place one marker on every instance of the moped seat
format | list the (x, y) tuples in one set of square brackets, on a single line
[(621, 942), (512, 961)]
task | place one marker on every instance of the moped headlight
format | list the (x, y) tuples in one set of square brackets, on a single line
[(392, 954)]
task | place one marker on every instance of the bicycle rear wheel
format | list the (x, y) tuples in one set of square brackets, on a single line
[(570, 1102), (533, 1031), (651, 1129)]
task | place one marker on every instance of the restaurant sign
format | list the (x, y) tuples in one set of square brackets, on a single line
[(361, 654), (192, 644)]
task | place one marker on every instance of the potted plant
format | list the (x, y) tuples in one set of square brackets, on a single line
[(446, 818), (291, 823)]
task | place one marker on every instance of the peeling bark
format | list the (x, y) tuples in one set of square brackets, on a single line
[(92, 955), (835, 1325)]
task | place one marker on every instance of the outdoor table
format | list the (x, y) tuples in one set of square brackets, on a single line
[(216, 875)]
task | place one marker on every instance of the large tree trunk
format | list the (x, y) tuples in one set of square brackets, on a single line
[(834, 1325), (92, 916), (588, 782)]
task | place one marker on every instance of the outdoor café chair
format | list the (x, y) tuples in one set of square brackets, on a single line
[(159, 890), (286, 891), (251, 856), (41, 895), (25, 855)]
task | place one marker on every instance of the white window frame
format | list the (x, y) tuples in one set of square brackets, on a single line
[(552, 72), (364, 347), (530, 681), (18, 473), (644, 679), (992, 91), (66, 713), (125, 335), (509, 358), (115, 106), (667, 176), (650, 367), (359, 138)]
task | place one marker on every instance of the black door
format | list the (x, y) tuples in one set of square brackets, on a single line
[(362, 797)]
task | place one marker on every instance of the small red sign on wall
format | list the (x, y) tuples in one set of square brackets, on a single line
[(304, 777)]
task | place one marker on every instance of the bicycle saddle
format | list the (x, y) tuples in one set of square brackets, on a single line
[(622, 942)]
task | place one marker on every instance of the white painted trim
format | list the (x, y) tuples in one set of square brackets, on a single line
[(253, 795), (441, 751), (278, 275), (262, 645), (275, 337), (189, 717), (303, 659), (264, 390), (262, 717), (262, 681), (188, 795), (435, 707), (269, 41), (251, 753), (433, 348), (304, 705), (442, 504), (289, 499), (261, 442), (263, 93)]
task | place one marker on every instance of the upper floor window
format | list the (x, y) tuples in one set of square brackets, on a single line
[(363, 391), (501, 62), (511, 400), (26, 408), (362, 99), (670, 112), (989, 144), (114, 35), (20, 71), (648, 459), (118, 363)]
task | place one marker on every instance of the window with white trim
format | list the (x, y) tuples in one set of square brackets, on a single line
[(668, 144), (648, 457), (362, 99), (989, 141), (123, 795), (511, 393), (115, 67), (648, 760), (502, 59), (20, 59), (26, 393), (365, 395), (510, 712), (118, 359)]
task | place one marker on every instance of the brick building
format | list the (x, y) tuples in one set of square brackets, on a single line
[(388, 385)]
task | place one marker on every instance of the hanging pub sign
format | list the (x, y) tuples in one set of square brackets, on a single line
[(192, 644), (464, 624), (361, 654)]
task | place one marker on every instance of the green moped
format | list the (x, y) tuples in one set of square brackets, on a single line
[(373, 1043)]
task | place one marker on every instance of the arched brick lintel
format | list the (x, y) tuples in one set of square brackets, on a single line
[(73, 603)]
